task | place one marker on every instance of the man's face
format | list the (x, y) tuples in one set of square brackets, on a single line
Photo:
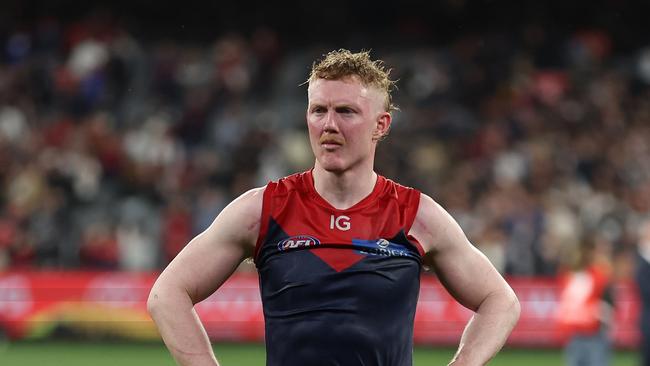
[(345, 119)]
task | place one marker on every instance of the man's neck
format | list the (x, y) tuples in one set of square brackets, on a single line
[(346, 189)]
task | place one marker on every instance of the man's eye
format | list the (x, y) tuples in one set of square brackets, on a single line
[(318, 110), (345, 110)]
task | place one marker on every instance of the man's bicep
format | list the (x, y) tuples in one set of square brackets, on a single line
[(467, 274), (464, 271), (211, 257)]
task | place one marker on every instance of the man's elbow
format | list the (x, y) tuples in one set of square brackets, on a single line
[(158, 299), (506, 303), (153, 302), (166, 299), (515, 307)]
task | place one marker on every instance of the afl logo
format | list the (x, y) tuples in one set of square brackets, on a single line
[(297, 242)]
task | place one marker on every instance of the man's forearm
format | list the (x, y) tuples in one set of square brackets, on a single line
[(487, 330), (181, 329)]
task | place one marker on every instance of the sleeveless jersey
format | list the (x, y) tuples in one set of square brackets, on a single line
[(338, 287)]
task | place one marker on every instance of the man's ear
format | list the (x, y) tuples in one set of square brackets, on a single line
[(382, 126)]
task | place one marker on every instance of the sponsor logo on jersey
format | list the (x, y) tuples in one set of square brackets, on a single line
[(298, 242), (383, 243), (381, 247), (340, 222)]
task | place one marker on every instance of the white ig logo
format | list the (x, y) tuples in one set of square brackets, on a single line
[(341, 222)]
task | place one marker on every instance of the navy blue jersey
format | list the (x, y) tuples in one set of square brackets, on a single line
[(338, 287)]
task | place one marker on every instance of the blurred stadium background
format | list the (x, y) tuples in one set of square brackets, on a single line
[(125, 129)]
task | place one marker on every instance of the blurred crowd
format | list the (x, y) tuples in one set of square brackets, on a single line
[(115, 151)]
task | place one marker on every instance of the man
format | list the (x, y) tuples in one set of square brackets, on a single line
[(586, 303), (642, 275), (339, 249)]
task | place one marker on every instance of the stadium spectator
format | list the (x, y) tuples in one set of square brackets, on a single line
[(585, 306), (98, 248), (642, 280)]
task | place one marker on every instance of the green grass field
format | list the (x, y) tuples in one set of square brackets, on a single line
[(59, 353)]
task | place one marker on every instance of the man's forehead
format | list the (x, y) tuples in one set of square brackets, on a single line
[(346, 88)]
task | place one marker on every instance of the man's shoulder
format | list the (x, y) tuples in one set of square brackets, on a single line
[(249, 202), (294, 182), (398, 190)]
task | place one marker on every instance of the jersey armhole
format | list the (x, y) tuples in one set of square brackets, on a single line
[(411, 213), (264, 218)]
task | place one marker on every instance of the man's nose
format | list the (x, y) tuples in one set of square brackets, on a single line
[(330, 122)]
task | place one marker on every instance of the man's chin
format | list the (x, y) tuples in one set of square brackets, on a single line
[(332, 167)]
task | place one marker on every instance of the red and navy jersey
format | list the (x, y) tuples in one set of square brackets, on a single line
[(338, 287)]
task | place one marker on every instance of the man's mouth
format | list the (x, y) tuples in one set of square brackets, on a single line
[(330, 143)]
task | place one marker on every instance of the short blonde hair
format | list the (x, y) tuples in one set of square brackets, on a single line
[(337, 65)]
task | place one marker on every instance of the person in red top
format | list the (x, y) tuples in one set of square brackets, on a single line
[(338, 248), (642, 276), (586, 305)]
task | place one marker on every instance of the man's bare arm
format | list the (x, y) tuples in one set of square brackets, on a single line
[(471, 279), (199, 270)]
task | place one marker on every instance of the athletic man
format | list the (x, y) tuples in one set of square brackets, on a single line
[(339, 248)]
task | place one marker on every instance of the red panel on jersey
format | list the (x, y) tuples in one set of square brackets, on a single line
[(295, 205)]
